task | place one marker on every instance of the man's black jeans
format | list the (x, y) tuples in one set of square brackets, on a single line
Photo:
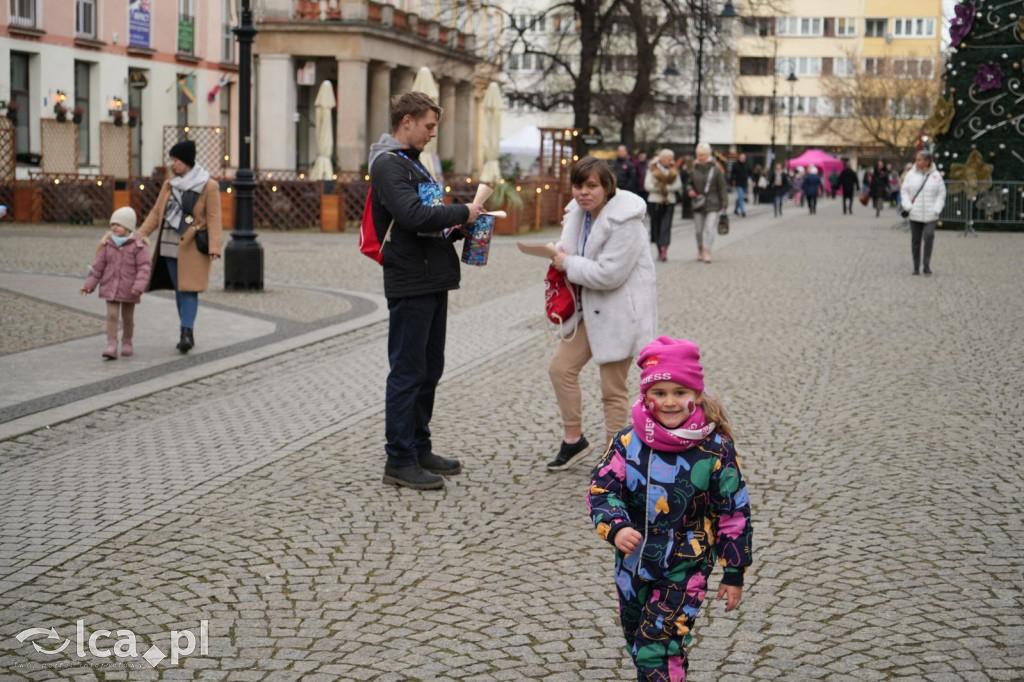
[(416, 337)]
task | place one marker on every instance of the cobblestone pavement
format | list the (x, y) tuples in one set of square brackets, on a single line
[(880, 426)]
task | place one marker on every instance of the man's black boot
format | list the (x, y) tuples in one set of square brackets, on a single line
[(412, 476), (446, 466)]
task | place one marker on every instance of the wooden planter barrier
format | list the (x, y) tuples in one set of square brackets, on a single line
[(227, 211), (28, 204), (330, 213)]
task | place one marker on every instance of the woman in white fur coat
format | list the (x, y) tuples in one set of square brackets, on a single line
[(604, 251)]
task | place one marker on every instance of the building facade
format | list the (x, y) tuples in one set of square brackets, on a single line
[(805, 73), (116, 63), (159, 65)]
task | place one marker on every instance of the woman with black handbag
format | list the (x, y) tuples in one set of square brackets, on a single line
[(922, 196), (710, 194), (186, 217)]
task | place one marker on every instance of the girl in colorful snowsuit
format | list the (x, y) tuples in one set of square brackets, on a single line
[(121, 269), (669, 495)]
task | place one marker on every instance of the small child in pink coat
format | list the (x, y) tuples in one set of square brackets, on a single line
[(121, 269)]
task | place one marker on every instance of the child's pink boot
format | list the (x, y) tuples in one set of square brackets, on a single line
[(110, 352), (126, 347)]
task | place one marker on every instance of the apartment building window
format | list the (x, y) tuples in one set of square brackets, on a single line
[(526, 62), (719, 104), (844, 66), (913, 28), (756, 26), (23, 13), (912, 68), (225, 120), (801, 66), (753, 66), (85, 18), (875, 28), (82, 83), (874, 66), (846, 26), (799, 26), (20, 87), (753, 105), (227, 37), (186, 27), (801, 105), (618, 63)]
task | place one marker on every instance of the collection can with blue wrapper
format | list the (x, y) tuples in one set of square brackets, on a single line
[(478, 242), (477, 245)]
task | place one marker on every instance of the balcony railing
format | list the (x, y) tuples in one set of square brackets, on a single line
[(383, 15)]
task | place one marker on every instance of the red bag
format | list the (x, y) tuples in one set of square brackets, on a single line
[(559, 296), (864, 198), (369, 245)]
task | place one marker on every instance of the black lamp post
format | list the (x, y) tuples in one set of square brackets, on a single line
[(789, 140), (243, 256), (728, 12)]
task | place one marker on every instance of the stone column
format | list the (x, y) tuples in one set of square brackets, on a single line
[(351, 132), (380, 100), (446, 136), (275, 113), (465, 120), (401, 80)]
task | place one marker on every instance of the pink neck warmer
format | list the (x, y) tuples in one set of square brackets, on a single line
[(694, 430)]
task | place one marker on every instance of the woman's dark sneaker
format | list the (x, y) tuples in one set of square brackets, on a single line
[(569, 454)]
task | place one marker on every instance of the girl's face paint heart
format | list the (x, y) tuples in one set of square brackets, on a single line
[(671, 403)]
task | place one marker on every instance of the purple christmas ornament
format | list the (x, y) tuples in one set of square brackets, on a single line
[(960, 24), (989, 77)]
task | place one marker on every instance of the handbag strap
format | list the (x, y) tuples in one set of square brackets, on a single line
[(923, 183), (711, 174)]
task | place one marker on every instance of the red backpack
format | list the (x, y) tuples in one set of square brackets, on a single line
[(369, 245)]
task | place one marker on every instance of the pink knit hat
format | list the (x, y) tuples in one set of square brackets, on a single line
[(668, 359)]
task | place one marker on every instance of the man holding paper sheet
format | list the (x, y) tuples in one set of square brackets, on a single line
[(416, 231)]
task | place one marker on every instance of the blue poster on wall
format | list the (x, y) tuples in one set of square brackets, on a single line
[(138, 22)]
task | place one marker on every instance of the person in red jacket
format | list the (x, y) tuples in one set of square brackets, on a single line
[(121, 268)]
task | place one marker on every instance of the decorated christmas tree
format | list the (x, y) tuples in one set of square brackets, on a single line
[(977, 124)]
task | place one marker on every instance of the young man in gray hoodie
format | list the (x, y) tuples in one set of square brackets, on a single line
[(421, 266)]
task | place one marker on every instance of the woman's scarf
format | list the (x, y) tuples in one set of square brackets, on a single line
[(663, 177), (693, 431), (195, 180)]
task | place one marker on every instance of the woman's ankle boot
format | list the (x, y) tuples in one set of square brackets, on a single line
[(186, 341), (110, 352)]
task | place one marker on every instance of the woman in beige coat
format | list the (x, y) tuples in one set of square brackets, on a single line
[(177, 262)]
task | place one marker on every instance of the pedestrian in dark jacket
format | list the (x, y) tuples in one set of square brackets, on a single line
[(416, 231), (811, 186), (740, 176), (879, 187), (850, 184), (625, 172)]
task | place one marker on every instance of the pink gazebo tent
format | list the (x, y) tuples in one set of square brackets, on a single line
[(825, 163)]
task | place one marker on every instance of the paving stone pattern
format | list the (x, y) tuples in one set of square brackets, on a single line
[(30, 323), (880, 420)]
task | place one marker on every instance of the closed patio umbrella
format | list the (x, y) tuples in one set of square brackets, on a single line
[(491, 172), (322, 168)]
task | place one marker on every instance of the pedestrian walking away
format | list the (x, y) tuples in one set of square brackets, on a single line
[(878, 187), (188, 203), (707, 182), (121, 269), (740, 177), (603, 249), (663, 186), (780, 188), (670, 497), (420, 267), (923, 195), (811, 186), (850, 184), (625, 172)]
